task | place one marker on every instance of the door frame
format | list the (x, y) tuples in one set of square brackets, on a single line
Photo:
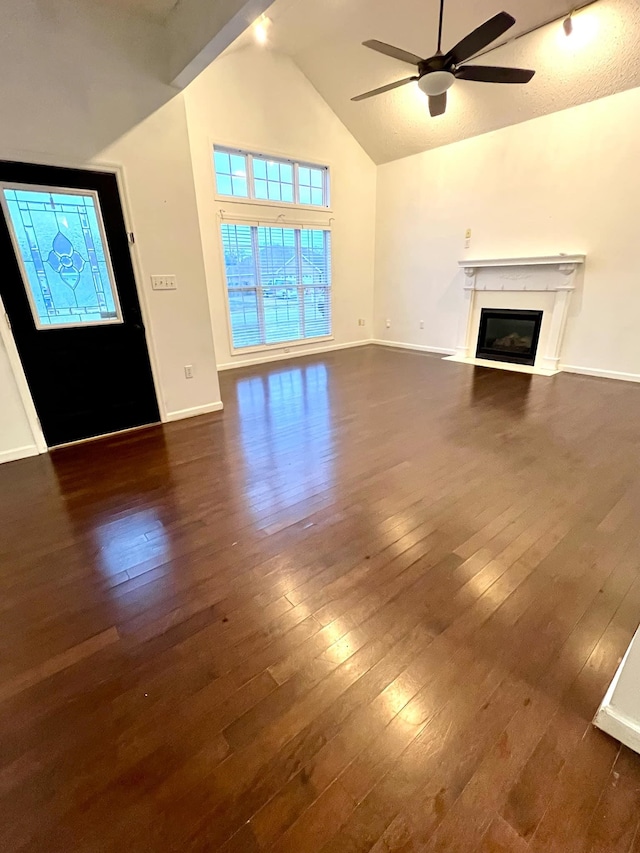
[(6, 334)]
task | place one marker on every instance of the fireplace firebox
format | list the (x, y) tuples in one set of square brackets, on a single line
[(507, 335)]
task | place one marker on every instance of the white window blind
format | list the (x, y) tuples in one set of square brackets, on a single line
[(278, 283)]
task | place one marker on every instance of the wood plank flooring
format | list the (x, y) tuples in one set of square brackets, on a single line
[(371, 606)]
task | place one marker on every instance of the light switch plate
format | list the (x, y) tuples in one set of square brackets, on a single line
[(163, 282)]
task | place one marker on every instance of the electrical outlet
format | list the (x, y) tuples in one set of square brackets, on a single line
[(388, 323), (188, 371), (422, 324), (467, 238), (163, 282), (361, 322)]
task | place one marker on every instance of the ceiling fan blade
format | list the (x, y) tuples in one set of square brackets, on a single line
[(394, 52), (480, 37), (386, 88), (493, 74), (437, 104)]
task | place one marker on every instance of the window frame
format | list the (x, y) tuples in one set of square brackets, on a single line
[(251, 198), (278, 345)]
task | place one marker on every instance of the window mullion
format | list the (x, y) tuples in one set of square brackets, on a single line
[(251, 187), (301, 317), (259, 292), (296, 183)]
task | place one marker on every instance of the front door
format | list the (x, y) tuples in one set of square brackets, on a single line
[(68, 288)]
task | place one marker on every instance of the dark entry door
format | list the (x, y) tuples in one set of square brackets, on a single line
[(67, 284)]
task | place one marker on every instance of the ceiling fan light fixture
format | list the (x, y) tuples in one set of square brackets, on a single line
[(436, 82)]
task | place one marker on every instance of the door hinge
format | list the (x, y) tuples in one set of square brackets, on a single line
[(131, 237), (6, 317)]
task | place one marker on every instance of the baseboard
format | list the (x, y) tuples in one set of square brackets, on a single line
[(612, 721), (181, 414), (18, 453), (618, 726), (604, 374), (416, 347), (285, 356)]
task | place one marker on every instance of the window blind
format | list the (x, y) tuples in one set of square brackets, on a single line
[(278, 283)]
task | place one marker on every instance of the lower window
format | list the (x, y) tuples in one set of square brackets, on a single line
[(278, 283)]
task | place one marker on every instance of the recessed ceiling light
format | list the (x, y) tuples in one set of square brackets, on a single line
[(260, 29)]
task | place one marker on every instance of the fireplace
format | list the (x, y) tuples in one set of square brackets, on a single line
[(506, 335)]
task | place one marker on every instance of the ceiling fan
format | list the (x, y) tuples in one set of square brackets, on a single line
[(438, 73)]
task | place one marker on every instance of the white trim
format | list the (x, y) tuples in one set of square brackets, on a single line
[(262, 221), (504, 365), (266, 202), (193, 412), (619, 726), (613, 722), (19, 453), (143, 297), (299, 342), (567, 368), (604, 374), (250, 362), (416, 347), (534, 260), (15, 363)]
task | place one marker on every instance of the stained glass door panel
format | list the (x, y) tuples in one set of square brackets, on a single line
[(61, 246)]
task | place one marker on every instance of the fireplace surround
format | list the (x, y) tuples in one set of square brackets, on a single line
[(542, 283)]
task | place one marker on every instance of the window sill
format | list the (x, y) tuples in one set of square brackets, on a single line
[(282, 205), (282, 346)]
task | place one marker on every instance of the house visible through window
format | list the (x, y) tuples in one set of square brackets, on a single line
[(278, 282), (240, 174)]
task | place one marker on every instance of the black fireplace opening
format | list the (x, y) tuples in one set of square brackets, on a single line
[(507, 335)]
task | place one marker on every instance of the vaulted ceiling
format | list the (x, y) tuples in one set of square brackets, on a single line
[(324, 39)]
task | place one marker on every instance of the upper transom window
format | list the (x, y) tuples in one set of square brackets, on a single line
[(242, 174)]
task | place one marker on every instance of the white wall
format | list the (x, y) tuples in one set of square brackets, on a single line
[(259, 100), (81, 85), (567, 182)]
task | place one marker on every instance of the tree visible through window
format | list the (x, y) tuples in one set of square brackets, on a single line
[(278, 282)]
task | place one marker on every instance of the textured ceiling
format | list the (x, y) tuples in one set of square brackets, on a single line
[(324, 38), (158, 9)]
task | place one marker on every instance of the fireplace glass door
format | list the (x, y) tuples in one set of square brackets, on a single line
[(507, 335)]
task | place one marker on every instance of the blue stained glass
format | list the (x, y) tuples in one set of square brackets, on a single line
[(63, 255)]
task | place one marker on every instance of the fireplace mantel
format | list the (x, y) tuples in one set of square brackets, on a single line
[(554, 275), (519, 273)]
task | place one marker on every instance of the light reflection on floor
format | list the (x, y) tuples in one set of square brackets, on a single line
[(123, 540), (286, 428)]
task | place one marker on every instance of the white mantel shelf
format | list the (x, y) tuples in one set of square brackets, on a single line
[(535, 261), (550, 274)]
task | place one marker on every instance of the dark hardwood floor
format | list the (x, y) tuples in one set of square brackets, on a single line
[(373, 605)]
